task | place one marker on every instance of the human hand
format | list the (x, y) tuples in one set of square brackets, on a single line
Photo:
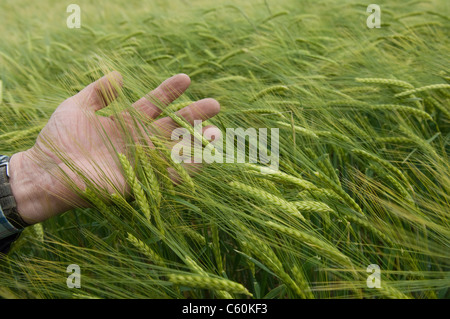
[(73, 133)]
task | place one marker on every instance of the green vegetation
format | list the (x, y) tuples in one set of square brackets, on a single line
[(364, 121)]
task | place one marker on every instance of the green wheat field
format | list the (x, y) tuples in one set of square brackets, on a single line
[(364, 123)]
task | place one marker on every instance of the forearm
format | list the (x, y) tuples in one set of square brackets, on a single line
[(34, 193), (38, 194)]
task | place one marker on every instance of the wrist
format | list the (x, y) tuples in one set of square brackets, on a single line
[(35, 189)]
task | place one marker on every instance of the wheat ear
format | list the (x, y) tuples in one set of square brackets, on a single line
[(383, 162), (145, 250), (394, 183), (394, 140), (312, 206), (195, 236), (390, 82), (267, 197), (339, 191), (360, 133), (199, 270), (326, 249), (204, 282), (302, 282), (402, 108), (277, 89), (151, 176), (364, 224), (327, 167), (424, 88), (299, 129), (178, 106), (259, 111), (442, 107), (135, 186), (39, 231), (270, 173), (153, 187), (264, 253), (181, 171), (216, 247)]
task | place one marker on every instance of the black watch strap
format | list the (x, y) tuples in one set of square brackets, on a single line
[(7, 202)]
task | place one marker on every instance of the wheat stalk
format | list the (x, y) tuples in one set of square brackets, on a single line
[(356, 129), (151, 176), (299, 129), (135, 186), (364, 224), (39, 231), (301, 281), (390, 82), (311, 206), (442, 107), (268, 172), (97, 202), (181, 171), (279, 89), (326, 166), (195, 236), (339, 191), (246, 250), (321, 193), (383, 162), (122, 203), (267, 197), (402, 108), (351, 103), (161, 170), (336, 135), (216, 247), (394, 140), (231, 54), (153, 188), (394, 182), (266, 254), (326, 249), (424, 88), (391, 292), (204, 282), (199, 270), (258, 111), (146, 250), (178, 106)]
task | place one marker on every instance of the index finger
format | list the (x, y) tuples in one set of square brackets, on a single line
[(167, 92)]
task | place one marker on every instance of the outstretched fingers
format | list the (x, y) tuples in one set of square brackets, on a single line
[(197, 111)]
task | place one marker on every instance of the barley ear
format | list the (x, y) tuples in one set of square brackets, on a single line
[(267, 197), (146, 250), (135, 186), (203, 282)]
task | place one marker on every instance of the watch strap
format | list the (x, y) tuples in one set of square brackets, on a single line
[(7, 201)]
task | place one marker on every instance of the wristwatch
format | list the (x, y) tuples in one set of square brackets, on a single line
[(7, 201)]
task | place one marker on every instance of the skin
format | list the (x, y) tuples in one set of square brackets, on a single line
[(73, 129)]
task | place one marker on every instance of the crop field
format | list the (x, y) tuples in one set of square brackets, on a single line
[(357, 205)]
